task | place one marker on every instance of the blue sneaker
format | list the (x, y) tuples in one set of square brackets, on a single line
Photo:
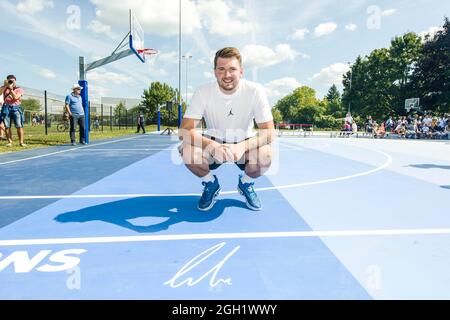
[(251, 198), (210, 192)]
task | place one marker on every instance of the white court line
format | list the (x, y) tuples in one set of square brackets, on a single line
[(135, 149), (66, 150), (297, 185), (155, 145), (244, 235), (148, 195)]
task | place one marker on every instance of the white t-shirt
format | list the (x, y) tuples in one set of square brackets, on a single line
[(230, 117), (349, 119), (427, 121)]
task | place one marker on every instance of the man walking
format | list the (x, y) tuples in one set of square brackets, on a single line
[(140, 123)]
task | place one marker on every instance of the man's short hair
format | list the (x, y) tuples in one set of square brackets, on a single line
[(228, 52), (11, 76)]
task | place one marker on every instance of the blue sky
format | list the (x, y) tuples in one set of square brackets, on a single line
[(285, 44)]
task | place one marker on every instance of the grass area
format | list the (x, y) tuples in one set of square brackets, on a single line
[(35, 137)]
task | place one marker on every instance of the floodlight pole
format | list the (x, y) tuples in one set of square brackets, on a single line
[(179, 68), (351, 80), (186, 57)]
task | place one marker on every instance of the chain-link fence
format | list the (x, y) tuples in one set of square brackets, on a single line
[(48, 114)]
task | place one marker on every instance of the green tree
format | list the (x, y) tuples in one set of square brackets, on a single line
[(277, 117), (289, 106), (119, 112), (378, 83), (31, 105), (334, 102), (404, 53), (157, 94), (431, 76)]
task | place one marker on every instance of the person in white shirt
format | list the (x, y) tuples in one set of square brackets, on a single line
[(349, 118), (230, 105)]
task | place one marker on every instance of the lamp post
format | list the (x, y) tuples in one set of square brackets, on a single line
[(351, 80), (186, 57), (179, 66)]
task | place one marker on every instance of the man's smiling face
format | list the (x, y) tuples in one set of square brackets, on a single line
[(228, 72)]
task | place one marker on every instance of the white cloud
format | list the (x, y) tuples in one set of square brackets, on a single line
[(100, 28), (96, 92), (300, 34), (331, 74), (304, 55), (158, 72), (161, 17), (324, 29), (106, 77), (47, 73), (208, 75), (168, 57), (262, 56), (241, 13), (219, 18), (388, 12), (281, 87), (430, 32), (155, 16), (351, 27), (33, 6)]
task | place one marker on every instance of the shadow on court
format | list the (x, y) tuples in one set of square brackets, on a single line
[(429, 166), (175, 209)]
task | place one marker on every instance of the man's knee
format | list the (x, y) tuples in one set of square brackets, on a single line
[(261, 157), (191, 155)]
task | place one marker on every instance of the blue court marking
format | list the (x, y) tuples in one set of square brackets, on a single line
[(259, 268), (386, 200), (62, 173)]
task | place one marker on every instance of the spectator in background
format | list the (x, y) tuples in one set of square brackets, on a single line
[(12, 109), (2, 125), (389, 125), (427, 121), (354, 127), (369, 125), (381, 131), (74, 108), (400, 129), (447, 131), (426, 133), (349, 118), (140, 123), (411, 130), (96, 123)]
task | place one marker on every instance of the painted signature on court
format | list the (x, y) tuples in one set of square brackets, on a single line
[(182, 277)]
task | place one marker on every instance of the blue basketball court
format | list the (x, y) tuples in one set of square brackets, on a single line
[(117, 219)]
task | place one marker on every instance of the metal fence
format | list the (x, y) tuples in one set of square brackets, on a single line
[(51, 116)]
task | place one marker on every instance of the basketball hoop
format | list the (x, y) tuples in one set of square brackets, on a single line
[(147, 52)]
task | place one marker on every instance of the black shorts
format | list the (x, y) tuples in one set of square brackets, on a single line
[(214, 165)]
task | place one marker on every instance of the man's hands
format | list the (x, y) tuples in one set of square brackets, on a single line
[(227, 152), (8, 85), (238, 150)]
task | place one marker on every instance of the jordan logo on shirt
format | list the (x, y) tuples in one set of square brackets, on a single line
[(231, 112)]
